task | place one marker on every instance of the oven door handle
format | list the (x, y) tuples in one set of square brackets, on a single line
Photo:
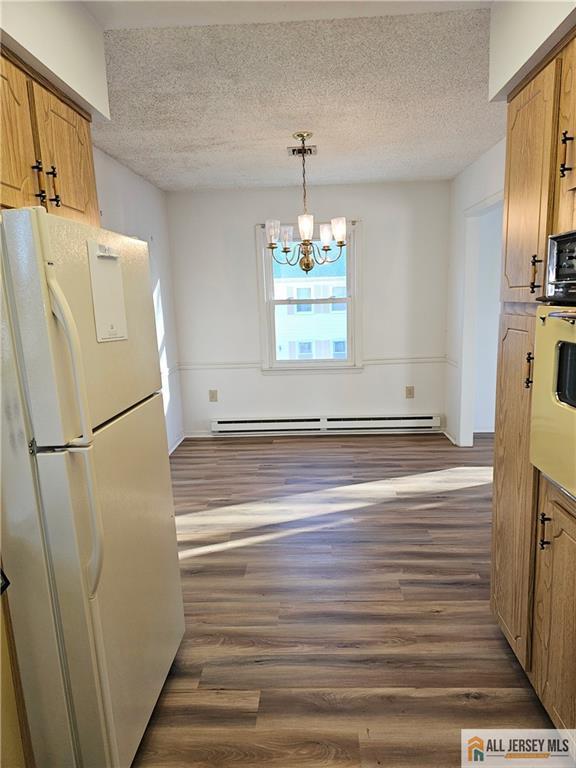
[(569, 317)]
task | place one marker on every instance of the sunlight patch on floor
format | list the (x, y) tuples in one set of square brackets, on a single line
[(199, 526), (249, 541)]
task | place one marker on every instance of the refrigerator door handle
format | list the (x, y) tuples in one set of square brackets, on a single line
[(94, 567), (63, 313)]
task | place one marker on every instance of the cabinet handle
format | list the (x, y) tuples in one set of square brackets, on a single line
[(534, 261), (41, 194), (564, 169), (56, 200), (528, 381), (543, 543)]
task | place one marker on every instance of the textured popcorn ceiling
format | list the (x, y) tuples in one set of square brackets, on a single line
[(395, 97)]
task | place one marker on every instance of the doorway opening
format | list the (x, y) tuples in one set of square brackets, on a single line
[(488, 272), (480, 319)]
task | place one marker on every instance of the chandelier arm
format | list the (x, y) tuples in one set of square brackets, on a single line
[(318, 257), (282, 263), (340, 250), (295, 256)]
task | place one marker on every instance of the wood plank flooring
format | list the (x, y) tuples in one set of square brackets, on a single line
[(336, 595)]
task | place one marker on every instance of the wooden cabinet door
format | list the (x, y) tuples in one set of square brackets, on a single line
[(529, 185), (514, 487), (18, 183), (565, 195), (554, 668), (64, 142), (15, 746)]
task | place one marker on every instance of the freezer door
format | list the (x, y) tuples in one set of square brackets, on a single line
[(100, 354), (126, 541)]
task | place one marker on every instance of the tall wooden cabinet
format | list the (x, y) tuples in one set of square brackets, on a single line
[(534, 523), (46, 150), (514, 485), (530, 186)]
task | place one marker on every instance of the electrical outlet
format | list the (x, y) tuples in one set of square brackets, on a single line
[(410, 392), (212, 395)]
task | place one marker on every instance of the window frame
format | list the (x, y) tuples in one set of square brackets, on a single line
[(268, 303)]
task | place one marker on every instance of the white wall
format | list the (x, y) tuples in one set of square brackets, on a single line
[(477, 188), (489, 226), (521, 34), (131, 205), (405, 234), (63, 42)]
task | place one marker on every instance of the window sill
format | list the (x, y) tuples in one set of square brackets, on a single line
[(312, 368)]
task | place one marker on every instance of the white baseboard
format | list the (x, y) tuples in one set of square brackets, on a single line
[(335, 433), (449, 436)]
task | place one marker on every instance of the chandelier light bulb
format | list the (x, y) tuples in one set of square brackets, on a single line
[(286, 235), (272, 231), (306, 226), (339, 229), (326, 235)]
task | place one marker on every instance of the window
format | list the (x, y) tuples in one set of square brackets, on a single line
[(309, 317)]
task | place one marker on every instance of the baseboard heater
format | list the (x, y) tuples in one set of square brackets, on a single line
[(324, 424)]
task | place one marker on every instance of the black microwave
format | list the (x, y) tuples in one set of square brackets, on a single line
[(560, 285)]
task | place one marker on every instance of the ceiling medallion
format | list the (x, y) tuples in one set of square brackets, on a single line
[(305, 253)]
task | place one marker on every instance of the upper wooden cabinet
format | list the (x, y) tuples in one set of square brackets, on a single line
[(65, 148), (19, 184), (529, 185), (46, 150), (514, 486), (565, 196), (554, 665)]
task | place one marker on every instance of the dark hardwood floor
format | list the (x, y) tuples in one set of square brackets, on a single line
[(336, 593)]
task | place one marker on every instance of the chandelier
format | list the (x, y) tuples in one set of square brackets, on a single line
[(305, 253)]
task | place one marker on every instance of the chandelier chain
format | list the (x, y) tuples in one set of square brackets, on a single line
[(304, 173)]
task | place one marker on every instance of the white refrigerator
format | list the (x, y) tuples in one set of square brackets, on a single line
[(88, 530)]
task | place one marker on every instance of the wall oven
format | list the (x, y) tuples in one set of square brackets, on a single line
[(560, 287), (553, 428)]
